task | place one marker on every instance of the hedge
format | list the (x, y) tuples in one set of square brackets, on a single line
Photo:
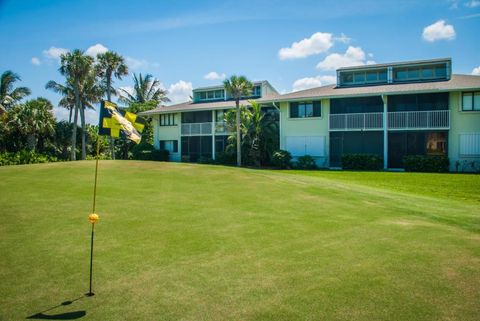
[(362, 162), (426, 163)]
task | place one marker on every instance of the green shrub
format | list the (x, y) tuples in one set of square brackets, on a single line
[(306, 162), (225, 158), (142, 150), (362, 162), (25, 157), (160, 155), (205, 160), (282, 159), (426, 163)]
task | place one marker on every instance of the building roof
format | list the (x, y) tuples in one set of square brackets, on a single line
[(457, 82), (190, 106), (399, 63), (220, 86)]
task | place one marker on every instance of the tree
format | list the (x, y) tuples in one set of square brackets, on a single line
[(238, 87), (145, 89), (8, 94), (76, 67), (110, 64), (32, 120), (90, 93)]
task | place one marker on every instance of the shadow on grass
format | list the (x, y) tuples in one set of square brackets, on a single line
[(60, 316)]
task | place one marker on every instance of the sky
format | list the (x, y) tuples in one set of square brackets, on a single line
[(294, 45)]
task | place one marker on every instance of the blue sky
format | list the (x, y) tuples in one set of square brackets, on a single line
[(181, 42)]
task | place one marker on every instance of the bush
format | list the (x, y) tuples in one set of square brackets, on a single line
[(306, 162), (142, 150), (205, 160), (367, 162), (282, 159), (424, 163), (25, 157), (160, 155), (225, 158)]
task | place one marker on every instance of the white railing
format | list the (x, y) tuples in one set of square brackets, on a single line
[(432, 119), (356, 121), (196, 129)]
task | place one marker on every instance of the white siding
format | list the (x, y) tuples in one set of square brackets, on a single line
[(470, 144), (306, 145)]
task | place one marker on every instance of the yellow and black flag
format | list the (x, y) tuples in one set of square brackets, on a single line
[(115, 123)]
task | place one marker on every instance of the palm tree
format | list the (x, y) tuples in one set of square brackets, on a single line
[(110, 64), (76, 67), (33, 119), (90, 93), (8, 94), (145, 89), (238, 87)]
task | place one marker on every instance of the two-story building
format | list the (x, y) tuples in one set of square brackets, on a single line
[(392, 110)]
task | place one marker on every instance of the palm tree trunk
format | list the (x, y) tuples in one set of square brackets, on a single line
[(73, 152), (82, 122), (112, 141), (239, 148), (70, 115)]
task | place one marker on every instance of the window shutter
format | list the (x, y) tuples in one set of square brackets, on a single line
[(293, 110), (317, 108)]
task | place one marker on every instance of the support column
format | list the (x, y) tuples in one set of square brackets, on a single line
[(213, 134), (385, 131)]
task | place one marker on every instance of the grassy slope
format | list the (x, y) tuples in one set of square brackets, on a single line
[(191, 242)]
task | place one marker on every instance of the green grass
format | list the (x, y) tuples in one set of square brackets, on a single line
[(193, 242)]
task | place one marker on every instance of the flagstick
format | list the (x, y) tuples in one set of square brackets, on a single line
[(90, 293)]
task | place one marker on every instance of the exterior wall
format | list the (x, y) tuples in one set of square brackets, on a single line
[(168, 133), (299, 127), (461, 122)]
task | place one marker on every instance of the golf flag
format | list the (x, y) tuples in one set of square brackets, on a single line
[(115, 123)]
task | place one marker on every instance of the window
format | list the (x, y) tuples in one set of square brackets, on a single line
[(470, 144), (359, 77), (471, 101), (170, 145), (210, 95), (167, 120), (347, 78), (363, 77), (305, 109), (429, 72), (256, 91)]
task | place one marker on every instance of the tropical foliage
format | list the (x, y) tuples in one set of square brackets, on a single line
[(9, 95), (145, 89), (238, 87), (258, 132)]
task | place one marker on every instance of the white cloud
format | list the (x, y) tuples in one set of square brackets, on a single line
[(319, 42), (54, 53), (476, 71), (180, 91), (142, 64), (354, 56), (438, 31), (343, 38), (35, 61), (473, 4), (312, 82), (213, 75), (94, 50)]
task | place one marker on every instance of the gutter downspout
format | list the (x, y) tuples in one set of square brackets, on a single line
[(279, 124), (385, 131)]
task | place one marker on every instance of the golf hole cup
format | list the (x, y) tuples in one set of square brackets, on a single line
[(93, 218)]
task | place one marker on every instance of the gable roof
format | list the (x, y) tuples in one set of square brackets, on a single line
[(190, 106), (457, 82)]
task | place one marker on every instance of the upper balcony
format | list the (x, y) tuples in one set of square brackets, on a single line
[(404, 120), (204, 129)]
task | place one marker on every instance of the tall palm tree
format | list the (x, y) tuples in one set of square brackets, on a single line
[(76, 67), (8, 94), (145, 89), (110, 64), (238, 87), (90, 93)]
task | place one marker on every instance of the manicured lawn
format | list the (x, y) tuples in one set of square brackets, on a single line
[(197, 242)]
